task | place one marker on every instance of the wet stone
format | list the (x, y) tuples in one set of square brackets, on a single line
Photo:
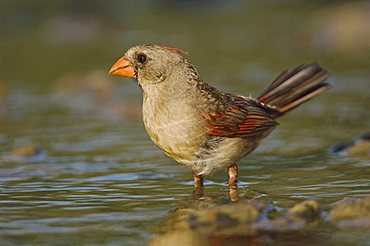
[(307, 210), (358, 147), (351, 213), (246, 219), (230, 215), (26, 153), (218, 217)]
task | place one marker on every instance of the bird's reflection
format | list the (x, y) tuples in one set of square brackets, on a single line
[(198, 193)]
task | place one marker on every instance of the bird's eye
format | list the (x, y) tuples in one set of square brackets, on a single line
[(141, 58)]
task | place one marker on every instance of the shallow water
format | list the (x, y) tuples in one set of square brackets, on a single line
[(99, 179), (102, 181)]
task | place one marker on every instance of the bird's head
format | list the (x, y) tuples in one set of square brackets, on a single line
[(148, 64)]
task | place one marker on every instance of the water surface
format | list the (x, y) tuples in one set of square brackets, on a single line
[(100, 180)]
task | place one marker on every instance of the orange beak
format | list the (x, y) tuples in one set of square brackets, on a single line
[(123, 67)]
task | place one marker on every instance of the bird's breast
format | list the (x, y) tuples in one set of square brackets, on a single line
[(174, 127)]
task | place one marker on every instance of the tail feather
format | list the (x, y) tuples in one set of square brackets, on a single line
[(292, 88)]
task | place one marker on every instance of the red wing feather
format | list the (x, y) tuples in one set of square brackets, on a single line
[(240, 120)]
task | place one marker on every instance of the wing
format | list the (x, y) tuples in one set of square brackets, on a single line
[(242, 117)]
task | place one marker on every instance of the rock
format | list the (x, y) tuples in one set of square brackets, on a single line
[(246, 220), (351, 213), (307, 210), (228, 215), (26, 153), (179, 238), (358, 147), (218, 217)]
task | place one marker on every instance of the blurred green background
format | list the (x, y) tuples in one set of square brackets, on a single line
[(76, 165), (233, 41)]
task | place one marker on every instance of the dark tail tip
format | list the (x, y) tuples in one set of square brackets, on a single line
[(292, 88)]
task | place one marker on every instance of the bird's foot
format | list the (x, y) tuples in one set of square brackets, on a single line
[(198, 180)]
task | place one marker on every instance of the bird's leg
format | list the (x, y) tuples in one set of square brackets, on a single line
[(198, 185), (233, 175), (198, 181), (233, 178)]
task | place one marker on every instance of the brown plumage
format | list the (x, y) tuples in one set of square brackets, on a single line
[(292, 88), (200, 126)]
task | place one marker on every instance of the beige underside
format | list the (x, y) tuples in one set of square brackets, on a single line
[(228, 153)]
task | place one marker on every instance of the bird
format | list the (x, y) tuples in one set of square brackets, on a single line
[(201, 126)]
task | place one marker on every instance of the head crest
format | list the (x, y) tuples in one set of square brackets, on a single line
[(173, 49)]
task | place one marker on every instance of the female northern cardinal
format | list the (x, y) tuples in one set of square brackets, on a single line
[(200, 126)]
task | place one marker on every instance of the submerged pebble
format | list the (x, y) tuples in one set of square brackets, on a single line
[(307, 210), (351, 213), (26, 153), (358, 147), (249, 218)]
